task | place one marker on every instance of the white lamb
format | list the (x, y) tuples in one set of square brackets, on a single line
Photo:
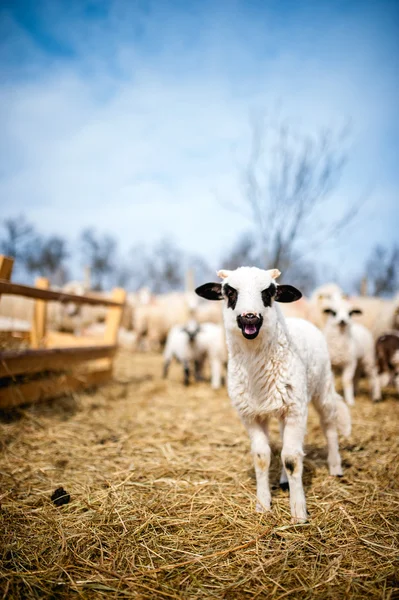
[(276, 367), (210, 344), (351, 347), (180, 344)]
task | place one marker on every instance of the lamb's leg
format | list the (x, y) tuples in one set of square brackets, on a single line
[(384, 379), (166, 365), (261, 452), (283, 476), (396, 380), (292, 457), (395, 363), (347, 382), (186, 373), (374, 382), (326, 407)]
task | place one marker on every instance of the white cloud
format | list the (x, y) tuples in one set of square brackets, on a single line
[(148, 153)]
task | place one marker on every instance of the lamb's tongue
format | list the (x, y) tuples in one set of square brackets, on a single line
[(250, 329)]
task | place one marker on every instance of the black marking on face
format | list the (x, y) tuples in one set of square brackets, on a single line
[(330, 311), (231, 295), (290, 465), (192, 334), (268, 294)]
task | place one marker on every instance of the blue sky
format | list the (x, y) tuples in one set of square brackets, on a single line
[(133, 117)]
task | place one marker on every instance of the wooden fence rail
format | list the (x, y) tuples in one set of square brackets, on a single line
[(17, 289), (58, 362)]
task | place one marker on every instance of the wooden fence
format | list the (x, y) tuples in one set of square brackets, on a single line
[(56, 363)]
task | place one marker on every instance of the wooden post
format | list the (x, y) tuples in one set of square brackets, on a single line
[(364, 286), (38, 332), (113, 320), (6, 265), (190, 280), (87, 278)]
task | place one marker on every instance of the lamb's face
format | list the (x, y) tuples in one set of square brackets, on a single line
[(248, 294), (340, 315), (192, 329)]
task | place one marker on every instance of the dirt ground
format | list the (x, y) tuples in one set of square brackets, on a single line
[(162, 499)]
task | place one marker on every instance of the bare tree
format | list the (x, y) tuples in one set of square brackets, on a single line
[(99, 254), (162, 267), (16, 236), (243, 253), (382, 270), (47, 257), (286, 185), (165, 267)]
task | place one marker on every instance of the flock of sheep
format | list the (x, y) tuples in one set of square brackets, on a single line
[(280, 349), (361, 332)]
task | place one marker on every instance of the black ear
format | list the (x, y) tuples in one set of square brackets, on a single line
[(287, 293), (210, 291), (355, 311)]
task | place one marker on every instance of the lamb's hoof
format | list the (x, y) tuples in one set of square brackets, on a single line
[(260, 508), (336, 471), (297, 520), (375, 400), (284, 486)]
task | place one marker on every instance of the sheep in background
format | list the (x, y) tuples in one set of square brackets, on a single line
[(276, 367), (180, 344), (379, 315), (387, 351), (210, 344), (351, 346), (319, 300)]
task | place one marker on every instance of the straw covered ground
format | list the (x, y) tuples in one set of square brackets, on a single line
[(162, 500)]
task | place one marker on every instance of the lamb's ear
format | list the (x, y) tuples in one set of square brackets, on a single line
[(210, 291), (355, 311), (287, 293), (223, 273)]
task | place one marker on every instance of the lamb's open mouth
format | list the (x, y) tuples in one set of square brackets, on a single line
[(249, 326)]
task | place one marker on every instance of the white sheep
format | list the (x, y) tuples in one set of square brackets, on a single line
[(180, 344), (275, 367), (351, 347), (210, 344)]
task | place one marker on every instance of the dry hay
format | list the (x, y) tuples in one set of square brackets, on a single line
[(162, 500)]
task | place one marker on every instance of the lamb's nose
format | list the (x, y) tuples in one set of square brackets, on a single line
[(342, 322), (250, 315)]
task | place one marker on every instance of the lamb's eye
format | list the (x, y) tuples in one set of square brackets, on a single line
[(232, 296), (268, 294)]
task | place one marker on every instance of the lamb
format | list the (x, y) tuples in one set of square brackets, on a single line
[(320, 299), (275, 367), (351, 347), (387, 351), (210, 344), (180, 344)]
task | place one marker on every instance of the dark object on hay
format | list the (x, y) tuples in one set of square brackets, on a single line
[(60, 497)]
